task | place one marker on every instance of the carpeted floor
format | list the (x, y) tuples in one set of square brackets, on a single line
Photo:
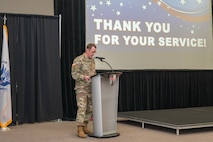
[(65, 131)]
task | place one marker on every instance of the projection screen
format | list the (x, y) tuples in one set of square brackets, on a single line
[(151, 34)]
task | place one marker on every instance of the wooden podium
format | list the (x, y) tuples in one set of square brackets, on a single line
[(105, 88)]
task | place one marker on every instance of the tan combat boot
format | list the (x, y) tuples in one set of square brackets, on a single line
[(80, 132), (86, 130)]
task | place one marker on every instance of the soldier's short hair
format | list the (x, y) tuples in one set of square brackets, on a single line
[(90, 45)]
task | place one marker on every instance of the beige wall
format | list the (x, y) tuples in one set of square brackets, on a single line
[(38, 7)]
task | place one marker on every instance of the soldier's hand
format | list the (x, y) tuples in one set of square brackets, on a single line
[(87, 78)]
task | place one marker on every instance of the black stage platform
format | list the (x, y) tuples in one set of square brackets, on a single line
[(178, 119)]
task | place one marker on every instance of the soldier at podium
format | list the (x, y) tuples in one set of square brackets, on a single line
[(83, 68)]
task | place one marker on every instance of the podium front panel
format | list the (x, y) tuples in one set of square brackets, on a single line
[(105, 103), (109, 105)]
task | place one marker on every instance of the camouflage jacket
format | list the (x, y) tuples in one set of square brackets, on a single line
[(82, 66)]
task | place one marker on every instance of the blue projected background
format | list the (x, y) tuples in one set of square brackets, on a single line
[(151, 34)]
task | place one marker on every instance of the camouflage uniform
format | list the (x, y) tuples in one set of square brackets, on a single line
[(83, 66)]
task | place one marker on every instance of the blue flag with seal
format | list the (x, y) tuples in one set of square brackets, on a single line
[(5, 87)]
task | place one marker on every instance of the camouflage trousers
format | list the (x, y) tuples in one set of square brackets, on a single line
[(84, 112)]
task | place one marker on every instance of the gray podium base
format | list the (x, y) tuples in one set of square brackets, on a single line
[(106, 136)]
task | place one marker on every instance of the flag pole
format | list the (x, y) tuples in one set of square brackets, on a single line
[(5, 19)]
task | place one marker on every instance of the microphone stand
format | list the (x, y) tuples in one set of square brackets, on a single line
[(112, 77), (107, 64)]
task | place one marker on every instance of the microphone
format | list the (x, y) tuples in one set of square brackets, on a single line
[(111, 76), (100, 58)]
